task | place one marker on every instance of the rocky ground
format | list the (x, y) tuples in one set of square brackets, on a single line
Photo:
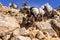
[(13, 26)]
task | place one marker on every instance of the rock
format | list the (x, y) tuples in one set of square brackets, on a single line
[(33, 32), (1, 4), (19, 18), (7, 24), (55, 12), (4, 9), (51, 39), (27, 7), (0, 39), (56, 22), (58, 38), (13, 12), (50, 33), (46, 28), (20, 38), (56, 16), (40, 35), (16, 32), (14, 38), (6, 37), (24, 32), (35, 39), (13, 5), (11, 17), (43, 25), (56, 26)]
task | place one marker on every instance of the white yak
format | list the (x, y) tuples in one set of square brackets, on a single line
[(49, 8), (38, 11)]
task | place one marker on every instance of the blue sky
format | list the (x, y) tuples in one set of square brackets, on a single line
[(36, 3)]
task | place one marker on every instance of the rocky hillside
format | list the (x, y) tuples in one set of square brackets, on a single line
[(29, 23)]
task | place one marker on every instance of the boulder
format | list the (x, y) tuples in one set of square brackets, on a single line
[(43, 25), (20, 38), (35, 39), (55, 22), (16, 32), (13, 5), (56, 25), (8, 23), (24, 32), (1, 4), (51, 39), (55, 12), (40, 35), (33, 32), (4, 9), (19, 18), (0, 39), (50, 33), (46, 28), (6, 37), (54, 39)]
